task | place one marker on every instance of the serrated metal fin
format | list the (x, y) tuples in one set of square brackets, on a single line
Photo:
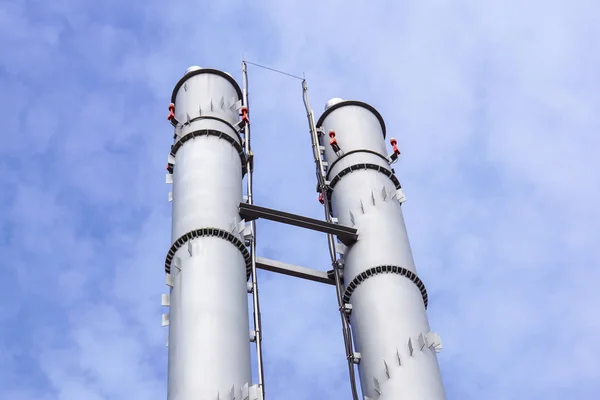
[(376, 386), (421, 341), (245, 391)]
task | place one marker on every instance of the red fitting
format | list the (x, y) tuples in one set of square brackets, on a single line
[(171, 112), (333, 142), (244, 112), (394, 146), (321, 198)]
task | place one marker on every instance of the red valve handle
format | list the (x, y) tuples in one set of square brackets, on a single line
[(171, 112), (331, 134), (245, 115), (394, 143)]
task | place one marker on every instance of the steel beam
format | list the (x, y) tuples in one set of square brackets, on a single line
[(345, 234), (294, 270)]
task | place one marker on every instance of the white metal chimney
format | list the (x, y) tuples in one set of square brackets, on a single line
[(208, 264), (386, 299)]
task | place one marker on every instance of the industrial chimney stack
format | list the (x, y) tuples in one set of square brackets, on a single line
[(211, 264)]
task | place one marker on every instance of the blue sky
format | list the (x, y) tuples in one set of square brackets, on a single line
[(496, 109)]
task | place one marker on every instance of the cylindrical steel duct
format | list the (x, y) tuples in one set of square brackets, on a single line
[(388, 315), (207, 264)]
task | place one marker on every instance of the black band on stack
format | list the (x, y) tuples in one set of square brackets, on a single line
[(330, 168), (357, 167), (205, 232), (212, 132), (385, 269)]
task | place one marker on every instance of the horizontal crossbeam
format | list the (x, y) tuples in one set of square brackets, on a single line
[(345, 234), (294, 270)]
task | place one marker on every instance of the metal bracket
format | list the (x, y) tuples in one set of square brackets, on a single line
[(240, 125), (169, 281), (347, 308), (344, 234), (399, 196), (250, 160), (434, 341)]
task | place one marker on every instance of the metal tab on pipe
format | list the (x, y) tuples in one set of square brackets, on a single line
[(400, 196), (169, 281), (376, 386)]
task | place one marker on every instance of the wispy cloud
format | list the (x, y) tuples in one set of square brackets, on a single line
[(495, 108)]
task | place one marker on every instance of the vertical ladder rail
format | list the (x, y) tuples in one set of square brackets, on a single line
[(347, 333), (255, 301)]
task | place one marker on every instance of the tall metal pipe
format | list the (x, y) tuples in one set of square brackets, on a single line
[(208, 264), (388, 300), (255, 299), (322, 184)]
